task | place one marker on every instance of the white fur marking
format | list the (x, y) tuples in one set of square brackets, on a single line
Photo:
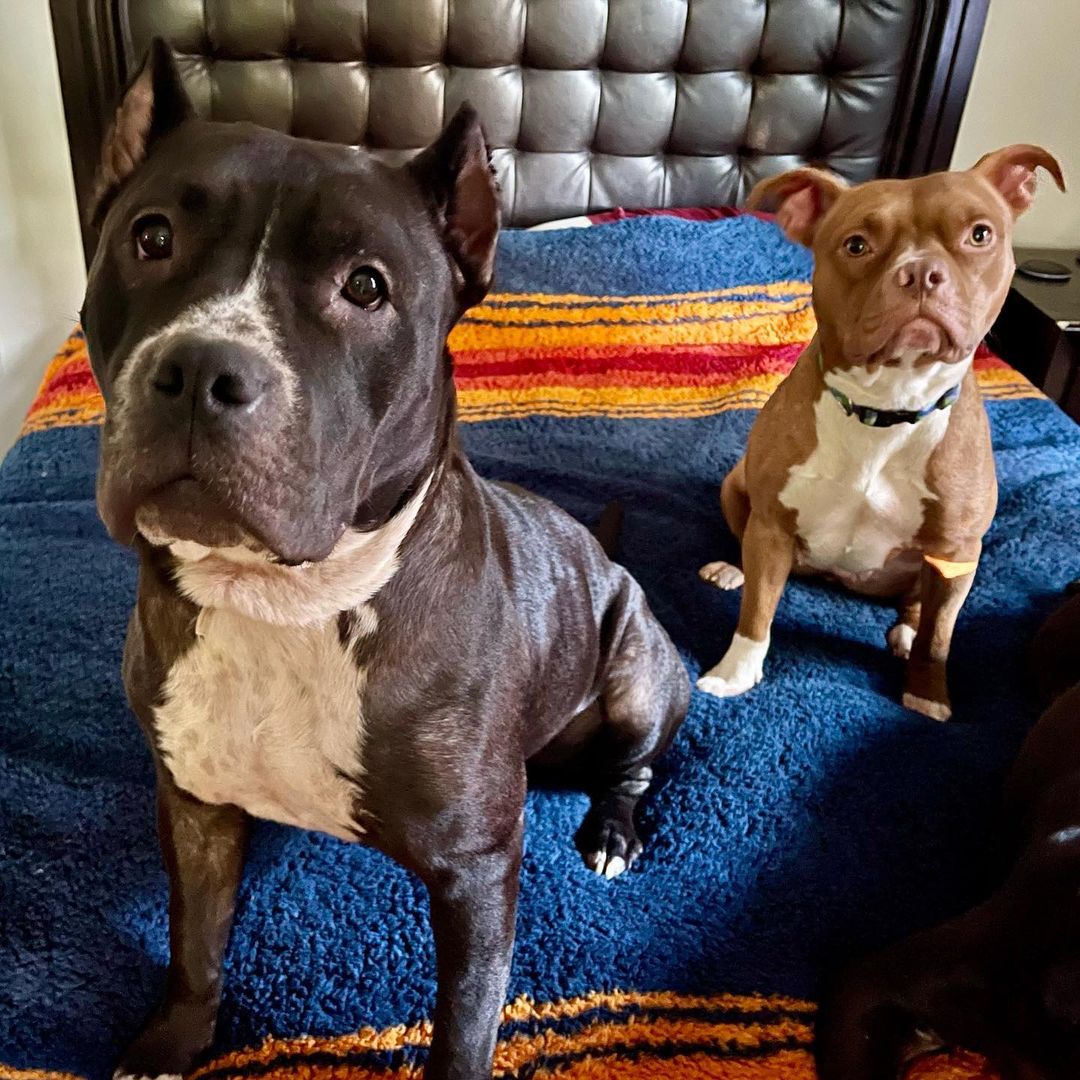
[(268, 718), (245, 582), (138, 1076), (859, 496), (241, 316), (1066, 835), (909, 385), (739, 671), (615, 866), (264, 710), (901, 637)]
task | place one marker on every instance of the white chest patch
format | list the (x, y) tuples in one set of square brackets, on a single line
[(265, 709), (859, 496), (267, 718)]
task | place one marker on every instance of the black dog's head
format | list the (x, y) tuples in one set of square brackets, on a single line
[(267, 317)]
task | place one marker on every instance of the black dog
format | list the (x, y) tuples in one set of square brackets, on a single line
[(1004, 979), (339, 625)]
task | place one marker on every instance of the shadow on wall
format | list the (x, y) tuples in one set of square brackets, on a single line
[(41, 260)]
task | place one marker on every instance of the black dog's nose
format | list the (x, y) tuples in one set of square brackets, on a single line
[(213, 376)]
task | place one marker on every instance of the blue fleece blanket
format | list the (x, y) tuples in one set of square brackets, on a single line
[(789, 828)]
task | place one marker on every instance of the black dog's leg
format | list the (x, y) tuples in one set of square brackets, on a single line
[(473, 907), (644, 701), (203, 848)]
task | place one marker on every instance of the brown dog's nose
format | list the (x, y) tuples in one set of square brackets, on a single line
[(922, 275), (212, 377)]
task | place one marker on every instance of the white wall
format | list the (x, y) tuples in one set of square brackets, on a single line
[(1027, 89), (41, 260)]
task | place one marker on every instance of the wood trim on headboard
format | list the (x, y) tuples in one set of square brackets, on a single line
[(940, 73), (90, 79)]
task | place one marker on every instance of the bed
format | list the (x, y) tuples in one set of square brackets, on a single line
[(793, 827)]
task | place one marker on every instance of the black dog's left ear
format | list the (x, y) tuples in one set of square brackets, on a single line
[(456, 171), (153, 104)]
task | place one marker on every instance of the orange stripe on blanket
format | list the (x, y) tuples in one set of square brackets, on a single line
[(783, 1065), (9, 1072), (625, 1040)]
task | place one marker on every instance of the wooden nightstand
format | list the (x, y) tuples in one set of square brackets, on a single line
[(1038, 330)]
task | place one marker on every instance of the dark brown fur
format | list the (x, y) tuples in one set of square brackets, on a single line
[(1004, 978)]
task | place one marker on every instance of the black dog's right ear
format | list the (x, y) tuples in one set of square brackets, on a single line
[(455, 170), (153, 104)]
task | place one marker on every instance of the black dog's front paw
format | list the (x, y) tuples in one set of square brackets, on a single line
[(169, 1044), (607, 839)]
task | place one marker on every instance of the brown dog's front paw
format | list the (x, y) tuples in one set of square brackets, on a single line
[(169, 1045), (925, 690)]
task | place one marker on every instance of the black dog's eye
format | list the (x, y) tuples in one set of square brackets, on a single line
[(982, 234), (365, 288), (153, 237), (856, 245)]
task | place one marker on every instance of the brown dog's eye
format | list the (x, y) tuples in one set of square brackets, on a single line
[(153, 237), (982, 234), (365, 288), (856, 245)]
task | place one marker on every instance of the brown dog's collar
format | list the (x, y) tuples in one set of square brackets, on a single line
[(887, 417)]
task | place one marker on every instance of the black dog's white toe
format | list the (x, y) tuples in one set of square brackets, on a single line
[(608, 841)]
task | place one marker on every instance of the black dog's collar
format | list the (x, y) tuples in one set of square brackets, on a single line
[(889, 417)]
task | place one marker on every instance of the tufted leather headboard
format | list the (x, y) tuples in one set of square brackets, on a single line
[(588, 104)]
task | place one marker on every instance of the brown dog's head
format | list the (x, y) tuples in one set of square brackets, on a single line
[(906, 267), (267, 318)]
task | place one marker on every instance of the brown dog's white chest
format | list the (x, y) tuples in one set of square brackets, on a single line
[(267, 718), (861, 495)]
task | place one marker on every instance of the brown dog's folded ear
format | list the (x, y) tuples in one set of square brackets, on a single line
[(153, 104), (1012, 171), (456, 171), (802, 197)]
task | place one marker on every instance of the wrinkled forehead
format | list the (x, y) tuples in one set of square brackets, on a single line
[(319, 197), (937, 205)]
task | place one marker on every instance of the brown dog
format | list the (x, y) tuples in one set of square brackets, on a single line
[(872, 464)]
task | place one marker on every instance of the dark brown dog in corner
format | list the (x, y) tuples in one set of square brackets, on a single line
[(339, 625), (1004, 979)]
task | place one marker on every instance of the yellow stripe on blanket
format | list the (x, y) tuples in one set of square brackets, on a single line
[(640, 314), (652, 402), (767, 329)]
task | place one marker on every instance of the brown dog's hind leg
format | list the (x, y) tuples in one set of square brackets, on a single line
[(643, 702), (203, 848), (943, 588), (735, 503)]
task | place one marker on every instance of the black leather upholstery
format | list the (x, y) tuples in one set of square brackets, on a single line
[(588, 104)]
